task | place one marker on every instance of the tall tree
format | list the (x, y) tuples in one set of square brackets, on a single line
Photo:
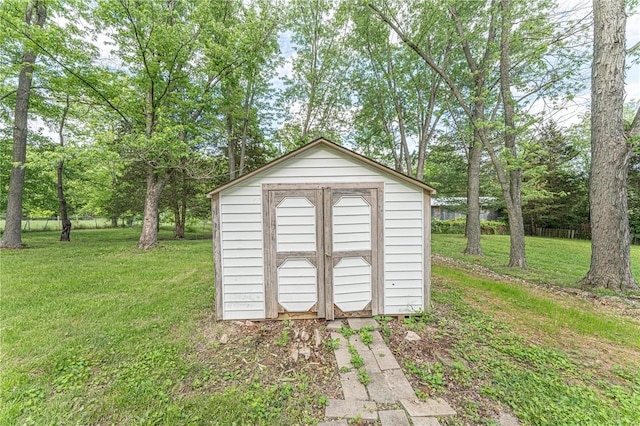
[(175, 55), (65, 235), (316, 95), (476, 41), (556, 183), (400, 103), (517, 254), (492, 29), (610, 153), (35, 15)]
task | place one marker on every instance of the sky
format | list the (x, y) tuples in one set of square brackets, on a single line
[(574, 111)]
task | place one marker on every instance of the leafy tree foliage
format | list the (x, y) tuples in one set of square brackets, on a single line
[(555, 184)]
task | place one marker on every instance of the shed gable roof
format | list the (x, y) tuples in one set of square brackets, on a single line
[(333, 146)]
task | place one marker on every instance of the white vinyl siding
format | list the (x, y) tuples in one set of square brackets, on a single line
[(297, 285), (403, 249), (352, 284), (351, 224), (295, 225), (242, 235)]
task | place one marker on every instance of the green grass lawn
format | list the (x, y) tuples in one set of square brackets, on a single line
[(551, 361), (95, 331), (551, 260)]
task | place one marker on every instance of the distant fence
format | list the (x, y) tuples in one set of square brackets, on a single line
[(583, 233), (580, 234), (458, 227), (32, 224), (35, 224)]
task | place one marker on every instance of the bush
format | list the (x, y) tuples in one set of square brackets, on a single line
[(457, 226)]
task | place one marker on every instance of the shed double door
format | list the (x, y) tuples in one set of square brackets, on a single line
[(322, 253)]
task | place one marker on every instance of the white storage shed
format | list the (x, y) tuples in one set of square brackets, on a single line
[(322, 232)]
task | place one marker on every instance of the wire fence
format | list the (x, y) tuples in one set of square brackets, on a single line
[(38, 224), (32, 224)]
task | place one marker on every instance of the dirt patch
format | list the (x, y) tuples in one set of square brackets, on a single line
[(237, 353)]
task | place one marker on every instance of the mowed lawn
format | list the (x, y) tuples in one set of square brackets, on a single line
[(556, 261), (97, 332)]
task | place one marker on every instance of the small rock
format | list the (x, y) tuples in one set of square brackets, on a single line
[(224, 339), (296, 333), (334, 325), (304, 335), (444, 359), (249, 323), (238, 323), (412, 336), (294, 355), (305, 352), (506, 419), (317, 337)]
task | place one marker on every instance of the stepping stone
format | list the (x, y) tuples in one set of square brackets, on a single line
[(379, 390), (383, 355), (343, 409), (334, 325), (393, 418), (343, 357), (342, 422), (368, 357), (352, 388), (430, 408), (399, 385), (424, 421), (358, 323)]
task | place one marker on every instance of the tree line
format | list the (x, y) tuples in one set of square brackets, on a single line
[(119, 107)]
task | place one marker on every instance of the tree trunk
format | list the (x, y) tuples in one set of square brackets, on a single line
[(246, 108), (114, 222), (472, 227), (180, 205), (306, 125), (65, 235), (12, 237), (517, 255), (149, 235), (610, 153), (231, 148), (64, 217), (404, 147), (428, 127)]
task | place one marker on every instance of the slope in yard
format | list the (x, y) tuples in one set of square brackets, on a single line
[(554, 261), (492, 346)]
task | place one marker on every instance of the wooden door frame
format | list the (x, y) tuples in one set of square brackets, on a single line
[(270, 198), (324, 244), (376, 201)]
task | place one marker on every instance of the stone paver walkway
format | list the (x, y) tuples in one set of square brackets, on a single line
[(388, 385)]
